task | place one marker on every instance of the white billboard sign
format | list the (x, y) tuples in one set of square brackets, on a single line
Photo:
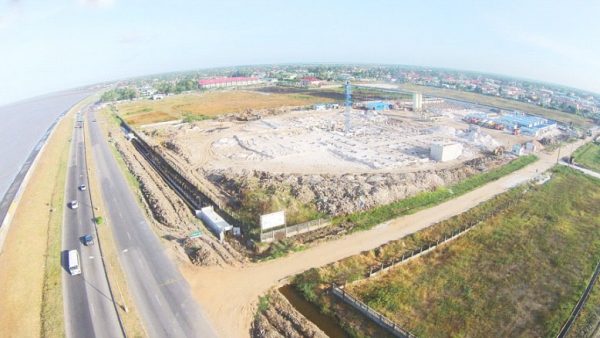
[(272, 220)]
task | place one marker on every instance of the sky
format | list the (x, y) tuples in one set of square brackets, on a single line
[(47, 46)]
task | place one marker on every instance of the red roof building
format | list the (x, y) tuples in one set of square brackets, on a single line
[(310, 81), (227, 82)]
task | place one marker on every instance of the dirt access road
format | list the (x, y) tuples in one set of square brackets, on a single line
[(229, 295)]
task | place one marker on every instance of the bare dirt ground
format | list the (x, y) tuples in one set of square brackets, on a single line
[(171, 218), (279, 318), (385, 156), (23, 259), (314, 142), (238, 288)]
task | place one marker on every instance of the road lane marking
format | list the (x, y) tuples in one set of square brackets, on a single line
[(169, 282), (157, 300), (128, 235)]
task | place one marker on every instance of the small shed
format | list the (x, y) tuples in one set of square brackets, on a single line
[(518, 149), (214, 222), (377, 105), (445, 151)]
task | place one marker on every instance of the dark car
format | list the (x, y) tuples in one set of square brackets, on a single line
[(88, 240)]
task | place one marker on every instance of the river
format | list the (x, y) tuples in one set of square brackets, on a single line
[(22, 125)]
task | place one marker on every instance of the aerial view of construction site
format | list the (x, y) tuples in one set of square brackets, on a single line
[(245, 180), (295, 200)]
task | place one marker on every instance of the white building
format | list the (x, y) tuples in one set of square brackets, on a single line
[(445, 151), (417, 101), (214, 222)]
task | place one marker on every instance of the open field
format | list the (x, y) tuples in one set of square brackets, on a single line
[(212, 103), (30, 267), (588, 156), (513, 268), (500, 102), (518, 274)]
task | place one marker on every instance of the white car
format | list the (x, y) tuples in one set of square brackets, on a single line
[(74, 204), (82, 187)]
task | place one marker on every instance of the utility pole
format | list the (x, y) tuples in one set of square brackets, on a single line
[(348, 106)]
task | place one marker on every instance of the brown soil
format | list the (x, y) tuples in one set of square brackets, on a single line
[(171, 217), (280, 319), (211, 104), (343, 194)]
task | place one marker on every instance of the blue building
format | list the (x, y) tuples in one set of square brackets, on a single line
[(529, 124), (378, 105)]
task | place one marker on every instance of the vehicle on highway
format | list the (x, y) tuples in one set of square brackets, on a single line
[(74, 267), (74, 204), (88, 240), (82, 187)]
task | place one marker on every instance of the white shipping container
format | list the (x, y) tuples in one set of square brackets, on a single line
[(443, 152)]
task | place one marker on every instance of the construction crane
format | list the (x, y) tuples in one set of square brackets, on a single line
[(348, 104)]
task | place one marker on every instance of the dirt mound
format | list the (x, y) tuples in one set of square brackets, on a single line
[(280, 319), (342, 194), (173, 217)]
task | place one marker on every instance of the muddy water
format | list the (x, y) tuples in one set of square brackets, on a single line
[(311, 312)]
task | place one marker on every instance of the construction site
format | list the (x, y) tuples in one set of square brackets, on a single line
[(309, 162)]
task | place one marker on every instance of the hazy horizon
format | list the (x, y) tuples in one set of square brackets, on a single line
[(68, 44)]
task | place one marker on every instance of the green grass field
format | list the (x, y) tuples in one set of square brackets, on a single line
[(502, 103), (589, 156), (519, 273)]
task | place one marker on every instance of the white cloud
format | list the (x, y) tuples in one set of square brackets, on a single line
[(97, 3)]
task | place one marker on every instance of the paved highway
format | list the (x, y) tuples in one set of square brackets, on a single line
[(161, 294), (88, 303)]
